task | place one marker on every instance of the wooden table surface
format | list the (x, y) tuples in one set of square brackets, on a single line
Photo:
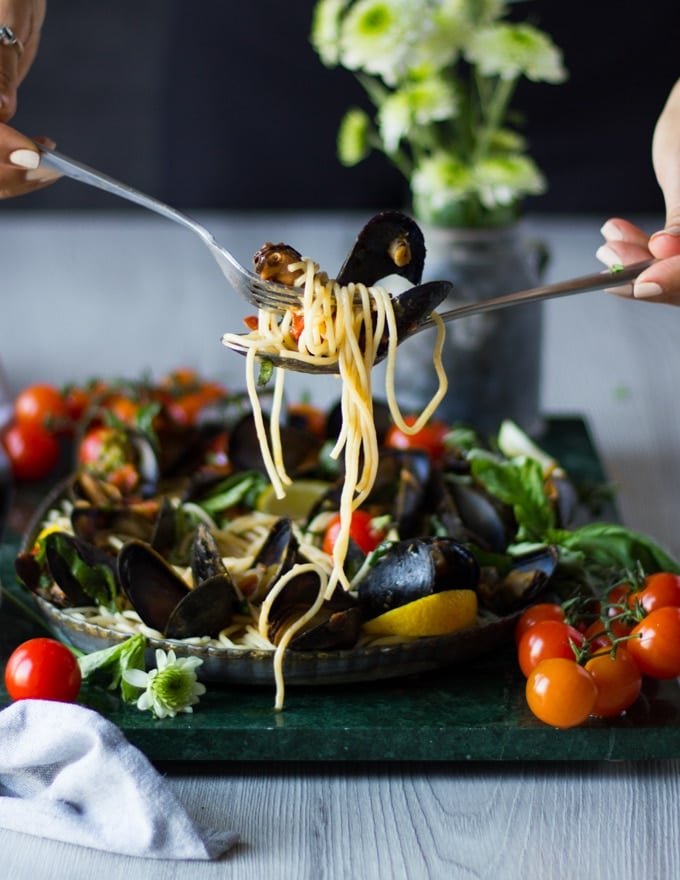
[(118, 294)]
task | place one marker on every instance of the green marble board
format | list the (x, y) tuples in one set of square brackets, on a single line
[(474, 711)]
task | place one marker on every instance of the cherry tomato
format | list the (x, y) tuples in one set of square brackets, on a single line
[(545, 640), (430, 438), (655, 643), (658, 590), (618, 681), (560, 692), (597, 637), (41, 405), (123, 408), (535, 614), (361, 531), (76, 401), (32, 450), (42, 669)]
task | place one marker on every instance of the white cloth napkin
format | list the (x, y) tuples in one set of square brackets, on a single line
[(69, 774)]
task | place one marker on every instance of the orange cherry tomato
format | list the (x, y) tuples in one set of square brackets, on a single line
[(658, 590), (654, 643), (560, 692), (618, 681)]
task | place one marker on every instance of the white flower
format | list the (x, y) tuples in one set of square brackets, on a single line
[(502, 180), (353, 137), (377, 36), (325, 33), (441, 179), (418, 103), (170, 688), (510, 51)]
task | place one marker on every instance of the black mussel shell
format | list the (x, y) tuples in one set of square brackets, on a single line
[(152, 586), (525, 581), (275, 557), (390, 243), (415, 568), (300, 448), (336, 625), (206, 559), (83, 571), (205, 610)]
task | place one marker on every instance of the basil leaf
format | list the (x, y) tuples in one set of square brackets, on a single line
[(112, 662)]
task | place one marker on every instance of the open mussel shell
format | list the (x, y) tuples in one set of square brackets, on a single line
[(274, 558), (527, 579), (415, 568), (205, 610), (152, 586), (206, 560), (300, 448), (390, 243), (336, 625)]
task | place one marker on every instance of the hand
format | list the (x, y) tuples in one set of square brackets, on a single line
[(627, 243), (18, 155)]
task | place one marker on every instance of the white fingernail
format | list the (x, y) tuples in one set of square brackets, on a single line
[(25, 158), (611, 231), (647, 290), (607, 256)]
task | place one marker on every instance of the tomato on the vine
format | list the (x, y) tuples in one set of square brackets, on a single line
[(42, 405), (547, 640), (42, 669), (362, 531), (535, 614), (561, 692), (32, 450), (658, 590), (430, 438), (618, 679), (654, 643)]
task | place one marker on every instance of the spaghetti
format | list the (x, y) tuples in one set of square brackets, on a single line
[(343, 325)]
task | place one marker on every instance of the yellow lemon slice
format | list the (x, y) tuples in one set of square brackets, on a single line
[(299, 499), (435, 615)]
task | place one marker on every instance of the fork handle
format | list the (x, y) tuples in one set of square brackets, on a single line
[(84, 174), (582, 284)]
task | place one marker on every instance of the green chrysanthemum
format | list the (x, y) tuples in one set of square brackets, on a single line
[(169, 689), (503, 180), (417, 104), (353, 137)]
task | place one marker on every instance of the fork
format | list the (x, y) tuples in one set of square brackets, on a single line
[(262, 294), (424, 321)]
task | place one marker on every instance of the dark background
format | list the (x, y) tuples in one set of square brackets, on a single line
[(225, 105)]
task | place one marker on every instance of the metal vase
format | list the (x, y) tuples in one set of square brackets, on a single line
[(493, 360)]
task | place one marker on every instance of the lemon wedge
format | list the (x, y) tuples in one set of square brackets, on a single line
[(299, 499), (434, 615)]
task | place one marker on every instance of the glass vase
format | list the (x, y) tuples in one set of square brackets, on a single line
[(492, 360)]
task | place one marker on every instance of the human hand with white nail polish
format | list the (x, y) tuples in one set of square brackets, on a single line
[(20, 26), (626, 243)]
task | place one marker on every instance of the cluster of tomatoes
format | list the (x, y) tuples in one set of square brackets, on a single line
[(589, 660), (45, 415)]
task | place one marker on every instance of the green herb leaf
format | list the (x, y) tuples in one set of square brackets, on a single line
[(111, 663)]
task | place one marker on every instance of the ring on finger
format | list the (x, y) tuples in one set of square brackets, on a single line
[(9, 38)]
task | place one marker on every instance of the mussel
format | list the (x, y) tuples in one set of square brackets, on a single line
[(414, 568), (335, 625)]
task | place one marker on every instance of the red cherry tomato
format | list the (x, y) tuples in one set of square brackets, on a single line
[(361, 531), (535, 614), (560, 692), (658, 590), (32, 450), (76, 401), (430, 438), (42, 405), (545, 640), (618, 681), (42, 669), (654, 643)]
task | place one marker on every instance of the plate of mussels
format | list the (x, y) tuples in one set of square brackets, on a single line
[(181, 550)]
